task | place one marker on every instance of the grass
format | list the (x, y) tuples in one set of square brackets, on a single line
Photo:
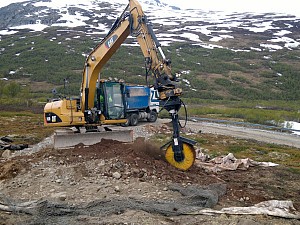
[(16, 114), (24, 127)]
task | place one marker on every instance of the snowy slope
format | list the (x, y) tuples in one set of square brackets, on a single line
[(205, 28)]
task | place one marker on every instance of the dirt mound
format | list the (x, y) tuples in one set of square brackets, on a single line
[(141, 157)]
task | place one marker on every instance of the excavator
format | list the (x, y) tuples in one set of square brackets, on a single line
[(102, 102)]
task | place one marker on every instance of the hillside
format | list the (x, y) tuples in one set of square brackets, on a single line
[(216, 55)]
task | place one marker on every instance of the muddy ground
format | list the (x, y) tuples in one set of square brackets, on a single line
[(131, 183)]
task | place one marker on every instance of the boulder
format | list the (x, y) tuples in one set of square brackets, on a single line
[(6, 154)]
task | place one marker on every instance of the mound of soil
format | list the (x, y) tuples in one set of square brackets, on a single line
[(141, 156)]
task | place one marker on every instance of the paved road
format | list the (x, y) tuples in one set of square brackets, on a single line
[(228, 130), (247, 133)]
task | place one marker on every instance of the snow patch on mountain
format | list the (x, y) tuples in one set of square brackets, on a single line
[(6, 3), (95, 17)]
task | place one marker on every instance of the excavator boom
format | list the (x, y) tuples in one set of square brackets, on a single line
[(99, 57)]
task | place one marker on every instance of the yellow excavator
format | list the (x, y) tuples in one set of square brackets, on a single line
[(102, 101)]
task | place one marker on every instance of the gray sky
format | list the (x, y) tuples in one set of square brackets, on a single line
[(284, 6)]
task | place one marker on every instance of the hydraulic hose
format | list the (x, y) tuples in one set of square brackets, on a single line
[(186, 117)]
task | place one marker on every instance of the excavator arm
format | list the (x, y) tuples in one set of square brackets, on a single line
[(180, 151), (157, 65)]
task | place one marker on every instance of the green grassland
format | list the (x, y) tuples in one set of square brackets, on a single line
[(256, 87)]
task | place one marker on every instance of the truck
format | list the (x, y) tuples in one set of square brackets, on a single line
[(103, 102), (142, 103)]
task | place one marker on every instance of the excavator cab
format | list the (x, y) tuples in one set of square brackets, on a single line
[(109, 108), (110, 100)]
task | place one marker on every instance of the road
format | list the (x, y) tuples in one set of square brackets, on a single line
[(247, 133), (267, 136)]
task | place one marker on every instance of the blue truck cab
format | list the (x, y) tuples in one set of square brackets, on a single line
[(142, 103)]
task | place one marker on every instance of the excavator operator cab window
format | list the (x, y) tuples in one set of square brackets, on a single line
[(114, 100)]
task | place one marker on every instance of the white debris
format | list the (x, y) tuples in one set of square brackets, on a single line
[(228, 162), (284, 209)]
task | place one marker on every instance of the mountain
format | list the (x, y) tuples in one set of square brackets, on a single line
[(207, 29), (218, 54)]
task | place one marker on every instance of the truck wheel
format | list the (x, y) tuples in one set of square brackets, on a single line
[(134, 119), (152, 117)]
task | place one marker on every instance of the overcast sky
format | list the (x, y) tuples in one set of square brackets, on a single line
[(283, 6)]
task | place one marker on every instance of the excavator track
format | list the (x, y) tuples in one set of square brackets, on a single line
[(188, 152)]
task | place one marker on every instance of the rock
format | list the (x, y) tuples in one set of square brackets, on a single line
[(15, 147), (62, 196), (117, 189), (58, 181), (142, 179), (135, 171), (6, 139), (101, 163), (6, 154), (116, 175), (141, 174)]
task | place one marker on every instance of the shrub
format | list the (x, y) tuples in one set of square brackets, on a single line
[(12, 89)]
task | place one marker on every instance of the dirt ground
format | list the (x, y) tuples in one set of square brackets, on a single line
[(131, 183)]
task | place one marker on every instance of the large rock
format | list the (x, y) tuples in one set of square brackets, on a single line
[(6, 154), (116, 175), (62, 196)]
